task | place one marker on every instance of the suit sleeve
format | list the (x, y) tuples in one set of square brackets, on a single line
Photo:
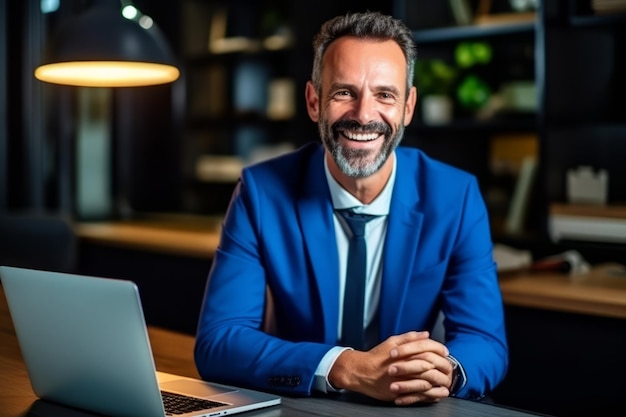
[(231, 346), (472, 302)]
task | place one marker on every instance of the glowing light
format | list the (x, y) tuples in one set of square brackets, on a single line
[(130, 12), (107, 73), (49, 6), (146, 22)]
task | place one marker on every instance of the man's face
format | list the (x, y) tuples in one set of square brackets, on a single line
[(362, 110)]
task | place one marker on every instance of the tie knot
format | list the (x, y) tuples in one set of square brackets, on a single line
[(356, 221)]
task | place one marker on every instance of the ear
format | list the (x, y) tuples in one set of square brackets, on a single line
[(312, 102), (409, 107)]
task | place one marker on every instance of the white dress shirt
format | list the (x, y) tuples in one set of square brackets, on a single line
[(375, 232)]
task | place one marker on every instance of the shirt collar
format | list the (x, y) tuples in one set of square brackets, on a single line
[(342, 199)]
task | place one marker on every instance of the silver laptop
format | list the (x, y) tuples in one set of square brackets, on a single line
[(85, 344)]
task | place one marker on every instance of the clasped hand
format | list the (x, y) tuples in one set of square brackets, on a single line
[(405, 369)]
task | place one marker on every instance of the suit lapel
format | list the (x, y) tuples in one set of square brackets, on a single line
[(315, 214), (403, 231)]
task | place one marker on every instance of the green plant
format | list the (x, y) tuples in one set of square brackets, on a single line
[(468, 54), (473, 93), (435, 77)]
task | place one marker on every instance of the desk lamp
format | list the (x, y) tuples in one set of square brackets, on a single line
[(111, 44), (108, 44)]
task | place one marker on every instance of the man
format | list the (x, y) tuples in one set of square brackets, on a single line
[(285, 247)]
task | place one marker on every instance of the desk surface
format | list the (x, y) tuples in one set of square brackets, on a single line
[(194, 237), (601, 292), (173, 354)]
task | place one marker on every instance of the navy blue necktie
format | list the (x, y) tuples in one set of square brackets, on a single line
[(354, 297)]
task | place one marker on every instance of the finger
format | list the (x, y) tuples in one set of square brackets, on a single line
[(412, 367), (393, 341), (410, 386), (435, 377), (416, 347), (409, 337), (442, 363), (432, 395)]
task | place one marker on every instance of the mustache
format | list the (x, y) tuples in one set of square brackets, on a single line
[(354, 126)]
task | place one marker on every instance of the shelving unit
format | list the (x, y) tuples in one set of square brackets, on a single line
[(240, 94), (458, 33), (579, 76), (469, 141), (245, 98), (583, 121)]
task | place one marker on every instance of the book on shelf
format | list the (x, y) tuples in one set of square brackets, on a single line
[(504, 18), (597, 223), (486, 15), (462, 11), (520, 200), (609, 6)]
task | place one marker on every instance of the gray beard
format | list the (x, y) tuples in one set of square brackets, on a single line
[(355, 163)]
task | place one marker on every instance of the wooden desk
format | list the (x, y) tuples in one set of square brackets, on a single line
[(601, 292), (555, 322), (195, 237), (173, 354)]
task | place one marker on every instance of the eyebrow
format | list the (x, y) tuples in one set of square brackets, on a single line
[(383, 88)]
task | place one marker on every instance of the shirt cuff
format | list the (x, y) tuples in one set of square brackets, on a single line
[(320, 382)]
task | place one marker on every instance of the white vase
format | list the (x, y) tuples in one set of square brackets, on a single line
[(437, 109)]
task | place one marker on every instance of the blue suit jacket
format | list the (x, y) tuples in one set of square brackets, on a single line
[(278, 233)]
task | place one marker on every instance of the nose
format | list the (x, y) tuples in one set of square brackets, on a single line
[(364, 109)]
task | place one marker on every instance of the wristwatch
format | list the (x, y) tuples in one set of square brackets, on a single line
[(456, 376)]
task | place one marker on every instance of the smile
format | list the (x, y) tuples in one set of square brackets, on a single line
[(360, 137)]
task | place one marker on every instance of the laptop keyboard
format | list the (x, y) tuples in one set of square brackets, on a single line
[(176, 404)]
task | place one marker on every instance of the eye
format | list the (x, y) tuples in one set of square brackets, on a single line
[(342, 95), (386, 96)]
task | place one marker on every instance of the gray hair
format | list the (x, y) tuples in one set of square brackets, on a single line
[(367, 25)]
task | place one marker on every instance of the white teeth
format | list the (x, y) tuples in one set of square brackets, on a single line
[(361, 136)]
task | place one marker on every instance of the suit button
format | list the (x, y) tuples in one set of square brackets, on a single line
[(284, 381)]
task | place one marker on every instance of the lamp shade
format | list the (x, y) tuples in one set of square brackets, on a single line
[(101, 48)]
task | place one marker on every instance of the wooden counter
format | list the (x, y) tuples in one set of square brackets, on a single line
[(601, 292), (193, 237)]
